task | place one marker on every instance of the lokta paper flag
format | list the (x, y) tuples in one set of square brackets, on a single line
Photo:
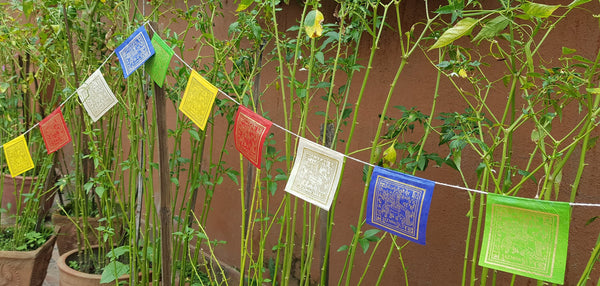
[(249, 132), (17, 156), (158, 65), (198, 99), (135, 51), (526, 237), (315, 174), (54, 131), (96, 96), (399, 203)]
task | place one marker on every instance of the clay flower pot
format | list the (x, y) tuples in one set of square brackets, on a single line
[(71, 277), (26, 267)]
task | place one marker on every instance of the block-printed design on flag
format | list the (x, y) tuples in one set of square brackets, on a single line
[(17, 156), (526, 237), (316, 173), (158, 64), (399, 203), (96, 96), (54, 131), (249, 132), (135, 51), (198, 99)]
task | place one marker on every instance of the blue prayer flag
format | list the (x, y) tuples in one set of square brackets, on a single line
[(399, 203), (135, 51)]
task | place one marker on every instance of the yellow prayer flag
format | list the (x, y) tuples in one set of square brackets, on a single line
[(17, 156), (198, 99)]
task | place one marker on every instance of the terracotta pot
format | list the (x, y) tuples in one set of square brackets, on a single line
[(26, 267), (13, 185), (67, 236), (71, 277)]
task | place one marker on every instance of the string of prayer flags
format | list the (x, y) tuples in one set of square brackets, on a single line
[(134, 51), (158, 64), (96, 96), (17, 156), (249, 132), (54, 131), (198, 99), (399, 203), (526, 237), (316, 174)]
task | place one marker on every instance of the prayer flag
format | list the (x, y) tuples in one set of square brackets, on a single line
[(526, 237), (54, 131), (198, 99), (315, 174), (96, 96), (135, 51), (158, 64), (249, 132), (17, 156), (399, 203)]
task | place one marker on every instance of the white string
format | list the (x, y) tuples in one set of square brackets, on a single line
[(292, 133), (372, 165), (466, 189)]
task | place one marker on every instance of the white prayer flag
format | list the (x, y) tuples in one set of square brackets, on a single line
[(96, 96), (315, 174)]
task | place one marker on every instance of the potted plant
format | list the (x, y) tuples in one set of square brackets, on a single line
[(26, 246), (102, 184), (28, 77)]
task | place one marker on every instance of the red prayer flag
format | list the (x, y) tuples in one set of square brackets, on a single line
[(54, 131), (250, 131)]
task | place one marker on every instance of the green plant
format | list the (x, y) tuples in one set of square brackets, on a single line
[(32, 240)]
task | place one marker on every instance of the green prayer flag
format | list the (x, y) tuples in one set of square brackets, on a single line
[(158, 65), (526, 237)]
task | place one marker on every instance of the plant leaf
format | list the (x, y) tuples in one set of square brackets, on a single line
[(194, 134), (4, 86), (100, 191), (233, 176), (492, 28), (557, 181), (371, 235), (113, 271), (27, 7), (312, 23), (538, 10), (567, 51), (576, 3), (320, 57), (244, 4), (117, 252), (594, 90), (529, 56), (371, 232), (364, 244), (462, 28), (280, 177), (389, 156)]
